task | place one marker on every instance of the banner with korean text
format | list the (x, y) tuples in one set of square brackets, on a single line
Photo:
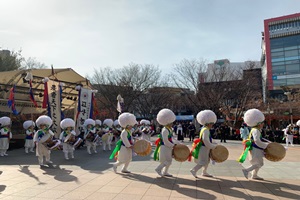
[(55, 106), (84, 108)]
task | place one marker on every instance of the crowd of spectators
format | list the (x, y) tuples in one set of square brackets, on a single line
[(223, 132)]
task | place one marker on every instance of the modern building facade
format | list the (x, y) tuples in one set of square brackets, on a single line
[(281, 54), (224, 70)]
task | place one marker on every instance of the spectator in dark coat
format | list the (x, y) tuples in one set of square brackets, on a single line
[(192, 130), (223, 133)]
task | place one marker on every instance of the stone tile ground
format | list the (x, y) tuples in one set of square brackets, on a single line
[(91, 177)]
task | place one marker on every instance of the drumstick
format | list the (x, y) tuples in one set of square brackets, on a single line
[(267, 140)]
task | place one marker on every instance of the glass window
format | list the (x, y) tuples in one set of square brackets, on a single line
[(277, 63), (292, 58), (278, 70), (291, 48), (292, 69), (293, 40), (291, 62), (276, 43), (277, 59), (277, 54), (291, 53), (293, 81), (276, 50), (279, 82)]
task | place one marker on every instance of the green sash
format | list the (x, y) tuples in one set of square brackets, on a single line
[(114, 154)]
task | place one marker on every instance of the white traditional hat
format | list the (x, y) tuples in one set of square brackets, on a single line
[(127, 119), (108, 122), (89, 122), (43, 119), (165, 117), (5, 121), (206, 117), (116, 122), (97, 121), (143, 121), (28, 123), (68, 122), (298, 123), (253, 117)]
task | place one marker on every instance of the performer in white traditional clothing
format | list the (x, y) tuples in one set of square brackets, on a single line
[(42, 137), (145, 130), (90, 135), (67, 137), (207, 118), (255, 119), (288, 133), (107, 136), (117, 129), (29, 131), (165, 143), (123, 151), (5, 135), (99, 131)]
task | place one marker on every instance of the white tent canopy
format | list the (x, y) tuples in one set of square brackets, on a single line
[(22, 100)]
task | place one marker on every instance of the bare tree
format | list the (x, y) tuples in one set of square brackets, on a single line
[(32, 63), (219, 85), (189, 74), (244, 94), (131, 82)]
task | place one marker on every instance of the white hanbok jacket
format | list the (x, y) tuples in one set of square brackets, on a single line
[(39, 138), (257, 152), (165, 152), (203, 156), (6, 135), (125, 153)]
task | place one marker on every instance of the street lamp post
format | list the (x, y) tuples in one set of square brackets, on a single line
[(289, 96)]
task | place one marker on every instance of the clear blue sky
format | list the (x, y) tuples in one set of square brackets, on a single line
[(83, 34)]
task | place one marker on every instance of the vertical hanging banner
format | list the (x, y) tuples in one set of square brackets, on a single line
[(120, 104), (84, 108), (54, 96), (11, 100)]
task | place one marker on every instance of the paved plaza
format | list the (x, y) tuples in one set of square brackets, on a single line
[(91, 177)]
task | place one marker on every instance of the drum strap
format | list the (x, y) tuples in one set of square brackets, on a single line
[(40, 134), (160, 142), (29, 135), (64, 135), (197, 144), (248, 145), (6, 133), (201, 135), (250, 137)]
